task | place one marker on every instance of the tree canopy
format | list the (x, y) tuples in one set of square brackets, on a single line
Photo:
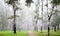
[(29, 2), (55, 2)]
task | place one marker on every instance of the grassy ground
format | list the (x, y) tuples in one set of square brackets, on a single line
[(52, 33), (10, 33), (25, 33)]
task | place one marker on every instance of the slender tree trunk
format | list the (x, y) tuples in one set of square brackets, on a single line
[(48, 30), (42, 17), (41, 29), (37, 15), (36, 28), (35, 25), (55, 28), (14, 24), (48, 27), (14, 28), (58, 27)]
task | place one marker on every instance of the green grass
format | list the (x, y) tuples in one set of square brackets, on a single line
[(25, 33), (52, 33), (10, 33)]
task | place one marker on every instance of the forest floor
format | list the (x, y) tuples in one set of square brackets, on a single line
[(31, 33), (52, 33), (10, 33)]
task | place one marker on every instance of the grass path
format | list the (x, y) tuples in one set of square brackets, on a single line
[(31, 33)]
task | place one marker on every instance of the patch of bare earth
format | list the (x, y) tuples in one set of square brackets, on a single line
[(32, 33)]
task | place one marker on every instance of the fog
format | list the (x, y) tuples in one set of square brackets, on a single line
[(26, 16)]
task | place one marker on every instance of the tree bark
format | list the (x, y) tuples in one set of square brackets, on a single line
[(14, 24), (55, 28), (48, 30), (58, 27), (14, 28), (41, 29)]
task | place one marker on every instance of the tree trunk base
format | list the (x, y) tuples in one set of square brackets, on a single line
[(14, 28)]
